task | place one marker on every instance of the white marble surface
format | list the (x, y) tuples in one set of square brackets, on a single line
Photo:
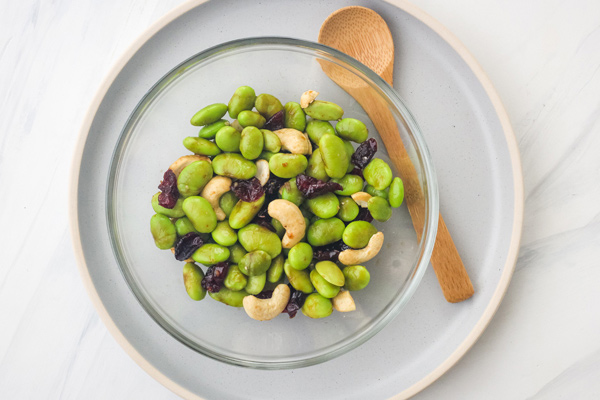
[(542, 56)]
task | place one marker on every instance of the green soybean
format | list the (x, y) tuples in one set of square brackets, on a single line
[(256, 283), (255, 237), (335, 156), (227, 202), (378, 174), (224, 235), (236, 252), (300, 256), (294, 116), (350, 184), (192, 280), (266, 155), (211, 253), (357, 277), (271, 140), (276, 269), (229, 297), (200, 213), (286, 165), (163, 231), (299, 279), (267, 105), (374, 192), (228, 139), (256, 262), (194, 177), (289, 191), (243, 99), (252, 143), (210, 131), (235, 279), (396, 194), (175, 212), (324, 110), (279, 229), (209, 114), (251, 118), (184, 226), (325, 206), (352, 129), (358, 233), (350, 151), (316, 129), (234, 166), (244, 212), (379, 208), (317, 306), (323, 287), (330, 272), (325, 231), (316, 167), (348, 209)]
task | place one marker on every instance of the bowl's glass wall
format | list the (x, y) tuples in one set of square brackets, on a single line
[(152, 140)]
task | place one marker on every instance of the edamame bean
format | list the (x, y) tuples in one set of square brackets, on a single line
[(233, 165), (272, 141), (299, 279), (266, 155), (286, 165), (316, 167), (279, 229), (350, 151), (209, 114), (163, 231), (325, 231), (192, 280), (228, 139), (267, 105), (183, 226), (330, 272), (201, 146), (235, 279), (227, 202), (252, 142), (236, 252), (335, 156), (211, 253), (348, 209), (224, 235), (255, 237), (324, 206), (317, 306), (316, 129), (323, 287), (175, 212), (352, 129), (374, 192), (324, 110), (350, 184), (357, 277), (194, 177), (243, 99), (358, 233), (244, 212), (256, 262), (300, 256), (289, 191), (294, 116), (201, 213), (396, 194), (209, 131), (256, 283), (251, 118), (378, 174), (379, 208), (229, 297), (276, 269)]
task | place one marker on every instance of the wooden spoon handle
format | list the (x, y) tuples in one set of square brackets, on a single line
[(446, 261)]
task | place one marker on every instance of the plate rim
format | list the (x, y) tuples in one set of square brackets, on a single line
[(474, 66)]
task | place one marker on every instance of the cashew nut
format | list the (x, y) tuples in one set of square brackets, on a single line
[(262, 171), (184, 161), (189, 260), (213, 191), (361, 198), (294, 141), (353, 257), (343, 302), (308, 97), (267, 309), (292, 220)]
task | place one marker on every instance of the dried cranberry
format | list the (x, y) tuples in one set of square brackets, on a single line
[(214, 277), (357, 171), (248, 190), (168, 187), (265, 224), (295, 302), (273, 185), (364, 215), (329, 252), (187, 245), (265, 294), (364, 153), (275, 122), (313, 187)]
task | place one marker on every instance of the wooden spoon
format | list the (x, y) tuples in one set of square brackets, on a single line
[(364, 35)]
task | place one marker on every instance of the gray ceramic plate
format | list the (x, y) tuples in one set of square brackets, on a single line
[(480, 183)]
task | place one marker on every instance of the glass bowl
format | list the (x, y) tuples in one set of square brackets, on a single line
[(152, 139)]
